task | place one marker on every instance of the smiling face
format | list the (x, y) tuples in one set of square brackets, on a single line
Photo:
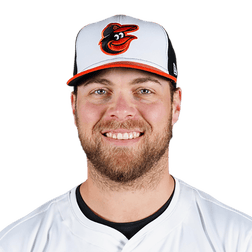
[(124, 120)]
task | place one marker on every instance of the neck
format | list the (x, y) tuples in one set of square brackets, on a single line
[(131, 201)]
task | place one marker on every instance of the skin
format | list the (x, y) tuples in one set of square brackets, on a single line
[(118, 96)]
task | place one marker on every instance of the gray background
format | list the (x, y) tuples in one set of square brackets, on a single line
[(41, 156)]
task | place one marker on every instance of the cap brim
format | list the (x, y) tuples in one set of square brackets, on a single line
[(127, 64)]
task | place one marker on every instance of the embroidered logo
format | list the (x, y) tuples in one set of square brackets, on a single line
[(115, 38), (175, 69)]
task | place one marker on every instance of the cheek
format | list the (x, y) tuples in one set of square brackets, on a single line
[(89, 114), (156, 113)]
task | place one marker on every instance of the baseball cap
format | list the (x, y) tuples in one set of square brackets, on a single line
[(123, 41)]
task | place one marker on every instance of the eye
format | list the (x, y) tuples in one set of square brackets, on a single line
[(121, 34), (116, 36), (145, 91), (100, 92)]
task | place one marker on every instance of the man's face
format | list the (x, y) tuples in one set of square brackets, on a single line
[(124, 121)]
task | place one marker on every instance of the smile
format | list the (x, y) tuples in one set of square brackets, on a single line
[(122, 138), (125, 136)]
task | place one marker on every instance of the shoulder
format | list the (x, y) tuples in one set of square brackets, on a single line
[(40, 219), (215, 216), (210, 203)]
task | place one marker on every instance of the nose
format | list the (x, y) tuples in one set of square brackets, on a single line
[(121, 109)]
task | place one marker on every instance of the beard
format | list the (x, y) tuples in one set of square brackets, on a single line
[(125, 164)]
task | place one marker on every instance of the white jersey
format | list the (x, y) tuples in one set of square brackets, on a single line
[(193, 222)]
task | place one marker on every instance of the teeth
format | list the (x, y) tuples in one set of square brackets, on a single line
[(124, 136)]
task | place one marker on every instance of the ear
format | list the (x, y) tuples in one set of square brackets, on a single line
[(73, 101), (176, 105)]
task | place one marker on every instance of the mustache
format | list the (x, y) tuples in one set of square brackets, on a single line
[(129, 125)]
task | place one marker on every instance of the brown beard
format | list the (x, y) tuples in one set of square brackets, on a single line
[(124, 164)]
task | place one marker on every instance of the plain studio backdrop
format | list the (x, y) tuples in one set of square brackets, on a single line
[(40, 153)]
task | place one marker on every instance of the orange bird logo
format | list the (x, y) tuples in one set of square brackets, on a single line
[(115, 39)]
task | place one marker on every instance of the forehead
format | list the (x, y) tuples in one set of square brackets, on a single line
[(124, 74)]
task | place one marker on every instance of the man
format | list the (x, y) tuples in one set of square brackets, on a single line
[(125, 103)]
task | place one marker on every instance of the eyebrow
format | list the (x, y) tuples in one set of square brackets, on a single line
[(139, 80), (143, 80)]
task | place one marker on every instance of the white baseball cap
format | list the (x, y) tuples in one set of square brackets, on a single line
[(123, 41)]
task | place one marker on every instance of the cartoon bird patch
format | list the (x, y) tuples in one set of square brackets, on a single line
[(115, 38)]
